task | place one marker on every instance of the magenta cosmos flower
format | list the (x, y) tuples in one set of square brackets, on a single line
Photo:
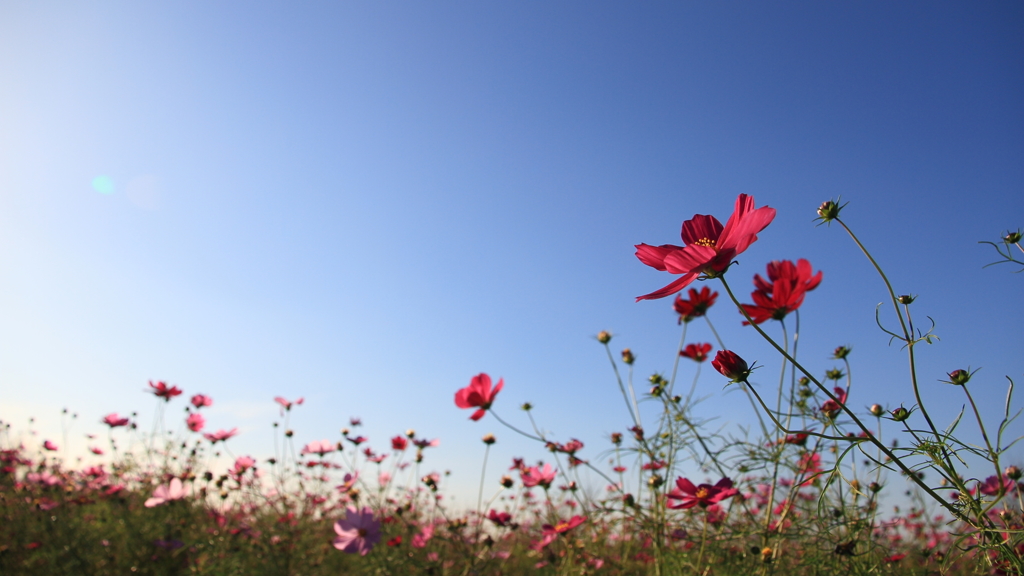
[(730, 365), (709, 246), (200, 400), (162, 390), (703, 495), (220, 435), (113, 420), (358, 532), (478, 395), (195, 422)]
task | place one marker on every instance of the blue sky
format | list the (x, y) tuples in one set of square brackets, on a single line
[(367, 204)]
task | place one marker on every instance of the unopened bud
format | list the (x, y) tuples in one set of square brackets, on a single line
[(628, 500), (1012, 237), (900, 414), (829, 211), (628, 357), (655, 481), (959, 377), (506, 481), (489, 439), (875, 487), (604, 336), (906, 299), (876, 410), (1012, 472), (616, 438), (841, 352), (289, 433), (410, 433)]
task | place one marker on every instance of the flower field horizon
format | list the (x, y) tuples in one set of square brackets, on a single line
[(825, 481)]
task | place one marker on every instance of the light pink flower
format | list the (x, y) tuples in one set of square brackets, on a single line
[(534, 476), (166, 493), (285, 404), (220, 435), (320, 447), (348, 482), (420, 540), (50, 446), (195, 422), (200, 400), (358, 532)]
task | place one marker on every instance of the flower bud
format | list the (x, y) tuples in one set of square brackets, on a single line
[(829, 211), (1012, 472), (506, 481), (628, 357), (527, 406), (906, 299), (489, 439), (875, 487), (1012, 237), (655, 481), (876, 410), (841, 352), (900, 414), (410, 433), (959, 377), (604, 336), (628, 500), (730, 365), (834, 374)]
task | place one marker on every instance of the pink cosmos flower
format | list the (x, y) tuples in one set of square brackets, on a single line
[(200, 400), (424, 443), (709, 247), (478, 395), (161, 390), (696, 306), (220, 435), (243, 463), (703, 495), (784, 294), (320, 447), (730, 365), (534, 476), (113, 420), (50, 446), (285, 404), (420, 540), (399, 443), (348, 482), (195, 422), (564, 526), (991, 486), (499, 518), (96, 451), (696, 352), (166, 493), (358, 532)]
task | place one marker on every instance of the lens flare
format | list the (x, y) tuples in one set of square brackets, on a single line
[(103, 184)]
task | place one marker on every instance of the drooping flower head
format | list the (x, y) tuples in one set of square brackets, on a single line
[(832, 408), (478, 395), (696, 352), (709, 247), (702, 495), (358, 532), (161, 390), (696, 306), (783, 292)]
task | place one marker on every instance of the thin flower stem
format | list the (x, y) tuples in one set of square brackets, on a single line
[(942, 502), (992, 453), (622, 387), (480, 493), (675, 365), (721, 346), (632, 394), (513, 428), (907, 335)]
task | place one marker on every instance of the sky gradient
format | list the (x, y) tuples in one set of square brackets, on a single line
[(367, 204)]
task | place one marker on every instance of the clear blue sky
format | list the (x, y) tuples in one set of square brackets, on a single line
[(366, 204)]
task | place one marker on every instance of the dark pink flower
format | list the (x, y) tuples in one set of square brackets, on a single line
[(195, 422), (478, 395), (47, 445), (161, 390), (200, 400), (499, 518), (696, 352), (992, 487), (113, 420), (730, 365), (709, 247), (564, 526), (785, 291), (703, 495), (696, 306), (358, 532), (399, 443)]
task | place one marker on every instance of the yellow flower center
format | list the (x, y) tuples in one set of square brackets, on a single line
[(705, 242), (701, 493)]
